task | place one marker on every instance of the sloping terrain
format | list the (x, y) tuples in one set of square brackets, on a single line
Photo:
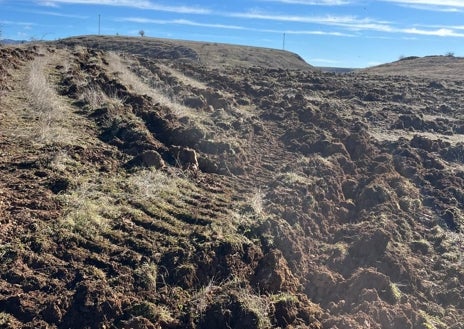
[(139, 192), (213, 55), (429, 67)]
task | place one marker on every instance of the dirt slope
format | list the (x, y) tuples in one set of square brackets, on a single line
[(145, 193), (213, 55), (430, 67)]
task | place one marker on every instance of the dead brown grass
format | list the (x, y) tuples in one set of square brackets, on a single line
[(429, 67), (51, 117), (211, 54)]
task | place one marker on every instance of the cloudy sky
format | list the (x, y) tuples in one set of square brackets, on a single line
[(344, 33)]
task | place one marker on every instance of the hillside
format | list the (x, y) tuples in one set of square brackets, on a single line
[(430, 67), (213, 55), (142, 192), (11, 42)]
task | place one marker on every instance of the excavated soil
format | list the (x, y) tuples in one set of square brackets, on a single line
[(142, 192)]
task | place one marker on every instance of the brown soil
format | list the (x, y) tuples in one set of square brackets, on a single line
[(143, 192)]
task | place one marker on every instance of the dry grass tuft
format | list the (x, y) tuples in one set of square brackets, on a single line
[(145, 86), (47, 113), (259, 305), (147, 274), (94, 97), (150, 184), (88, 210), (92, 206), (257, 202)]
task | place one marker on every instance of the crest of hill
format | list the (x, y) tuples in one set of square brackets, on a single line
[(214, 55), (433, 67)]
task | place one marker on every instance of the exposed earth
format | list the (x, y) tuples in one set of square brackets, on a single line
[(140, 189)]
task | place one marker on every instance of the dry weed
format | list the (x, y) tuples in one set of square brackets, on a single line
[(456, 241), (202, 298), (147, 274), (150, 185), (257, 202), (94, 97), (145, 84), (183, 78), (48, 112), (90, 208), (259, 305)]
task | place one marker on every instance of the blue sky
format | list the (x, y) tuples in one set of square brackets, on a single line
[(345, 33)]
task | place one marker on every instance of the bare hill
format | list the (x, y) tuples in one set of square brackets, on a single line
[(215, 55), (137, 192), (431, 67)]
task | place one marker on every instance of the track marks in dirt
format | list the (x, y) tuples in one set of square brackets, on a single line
[(251, 217)]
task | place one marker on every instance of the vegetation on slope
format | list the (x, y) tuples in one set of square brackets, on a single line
[(213, 55), (446, 67)]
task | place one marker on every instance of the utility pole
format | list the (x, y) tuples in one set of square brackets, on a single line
[(99, 21), (283, 43)]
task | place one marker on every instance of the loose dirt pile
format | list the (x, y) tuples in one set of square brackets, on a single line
[(157, 193)]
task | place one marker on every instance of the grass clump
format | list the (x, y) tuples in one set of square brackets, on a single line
[(284, 297), (258, 305), (151, 185), (430, 322), (146, 276), (88, 209), (394, 293), (257, 202), (7, 320), (154, 313)]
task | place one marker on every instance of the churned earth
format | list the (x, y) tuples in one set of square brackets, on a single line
[(192, 186)]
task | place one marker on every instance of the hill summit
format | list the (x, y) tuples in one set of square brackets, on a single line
[(211, 54)]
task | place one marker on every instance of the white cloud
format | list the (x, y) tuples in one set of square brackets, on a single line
[(448, 3), (51, 13), (433, 5), (349, 22), (439, 33), (316, 32), (139, 4), (48, 4), (434, 8), (352, 23), (313, 2), (25, 24), (229, 27), (323, 61), (180, 22)]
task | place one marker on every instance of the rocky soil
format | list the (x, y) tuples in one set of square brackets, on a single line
[(144, 192)]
